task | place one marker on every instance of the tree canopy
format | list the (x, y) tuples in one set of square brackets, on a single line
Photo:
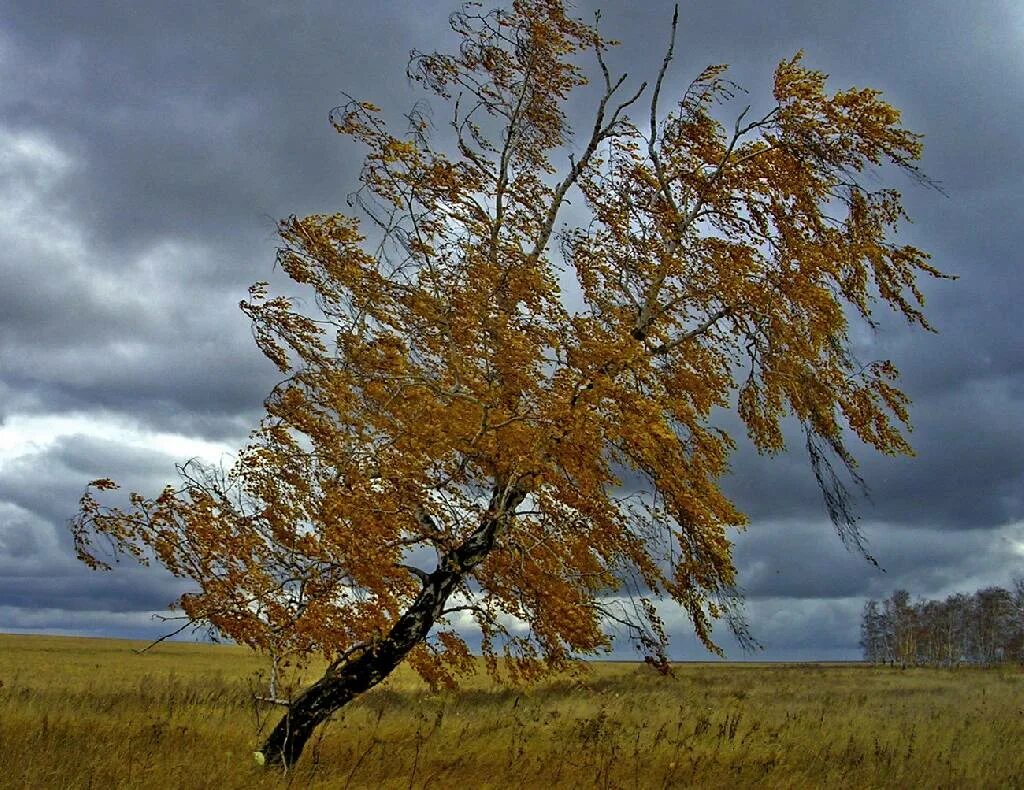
[(504, 409)]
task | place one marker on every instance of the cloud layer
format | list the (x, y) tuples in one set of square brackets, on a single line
[(146, 151)]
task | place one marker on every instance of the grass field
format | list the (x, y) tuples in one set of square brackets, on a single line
[(83, 713)]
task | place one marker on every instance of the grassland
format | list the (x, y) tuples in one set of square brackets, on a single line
[(78, 713)]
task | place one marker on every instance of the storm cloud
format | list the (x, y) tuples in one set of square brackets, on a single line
[(148, 149)]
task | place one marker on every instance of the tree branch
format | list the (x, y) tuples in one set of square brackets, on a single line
[(700, 329), (190, 624), (419, 573)]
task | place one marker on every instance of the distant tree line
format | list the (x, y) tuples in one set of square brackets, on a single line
[(982, 629)]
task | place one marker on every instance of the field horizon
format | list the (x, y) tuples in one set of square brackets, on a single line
[(137, 644), (91, 712)]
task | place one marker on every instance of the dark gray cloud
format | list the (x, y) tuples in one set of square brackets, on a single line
[(43, 487), (968, 471), (201, 121), (803, 559), (44, 587), (147, 149)]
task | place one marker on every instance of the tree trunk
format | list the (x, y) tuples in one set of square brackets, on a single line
[(341, 684)]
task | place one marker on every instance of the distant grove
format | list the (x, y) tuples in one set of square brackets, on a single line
[(982, 629)]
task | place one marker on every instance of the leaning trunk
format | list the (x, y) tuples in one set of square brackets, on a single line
[(346, 681), (343, 683)]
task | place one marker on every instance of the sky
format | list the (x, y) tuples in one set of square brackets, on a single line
[(147, 150)]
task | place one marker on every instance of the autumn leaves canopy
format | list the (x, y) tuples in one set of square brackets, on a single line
[(485, 362)]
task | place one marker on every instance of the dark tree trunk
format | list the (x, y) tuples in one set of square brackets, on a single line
[(341, 684)]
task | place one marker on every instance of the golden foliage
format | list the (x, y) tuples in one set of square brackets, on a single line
[(447, 394)]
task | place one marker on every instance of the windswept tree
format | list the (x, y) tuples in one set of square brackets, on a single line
[(495, 416)]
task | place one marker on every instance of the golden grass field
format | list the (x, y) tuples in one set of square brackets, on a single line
[(90, 713)]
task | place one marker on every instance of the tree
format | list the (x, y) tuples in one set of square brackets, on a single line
[(957, 628), (1015, 640), (985, 628), (872, 634), (458, 437), (901, 615), (994, 623)]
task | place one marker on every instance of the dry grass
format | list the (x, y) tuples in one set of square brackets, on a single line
[(78, 713)]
